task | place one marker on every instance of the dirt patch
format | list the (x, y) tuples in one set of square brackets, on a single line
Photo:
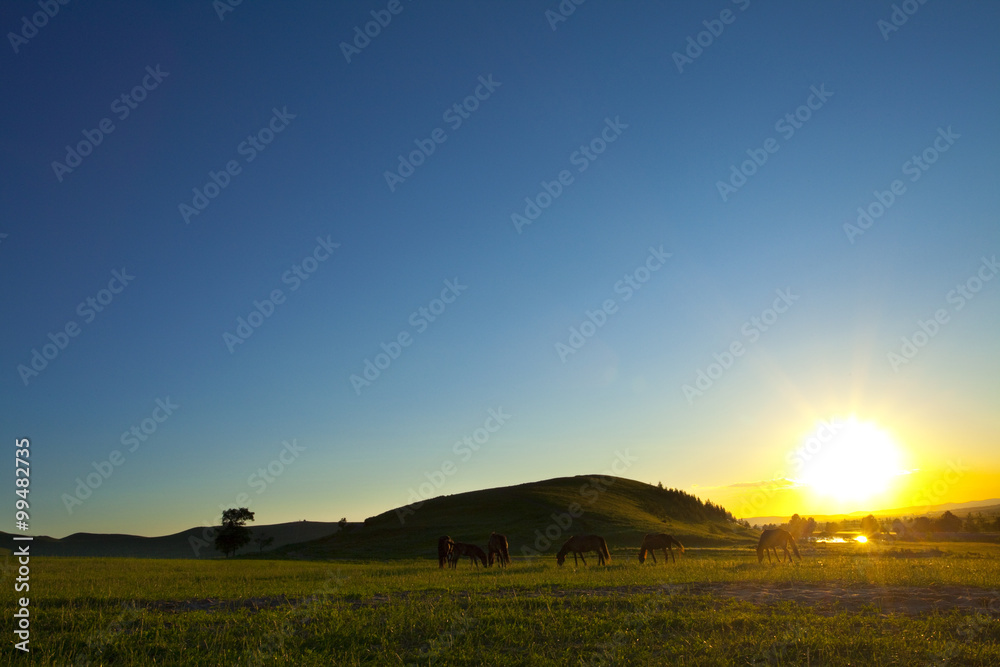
[(823, 597), (210, 604), (826, 598), (831, 597), (907, 553)]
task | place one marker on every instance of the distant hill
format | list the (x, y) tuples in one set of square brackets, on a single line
[(178, 545), (535, 517)]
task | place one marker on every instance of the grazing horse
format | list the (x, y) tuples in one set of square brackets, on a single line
[(445, 545), (581, 543), (497, 546), (460, 549), (773, 538), (655, 541)]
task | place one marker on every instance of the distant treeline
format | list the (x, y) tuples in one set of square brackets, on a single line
[(901, 526)]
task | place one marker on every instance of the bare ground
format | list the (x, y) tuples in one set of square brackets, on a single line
[(825, 598)]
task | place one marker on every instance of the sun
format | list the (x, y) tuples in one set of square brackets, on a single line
[(849, 461)]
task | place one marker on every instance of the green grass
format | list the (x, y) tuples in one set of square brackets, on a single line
[(173, 612)]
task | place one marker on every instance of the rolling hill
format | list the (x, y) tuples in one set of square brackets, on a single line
[(178, 545), (536, 517)]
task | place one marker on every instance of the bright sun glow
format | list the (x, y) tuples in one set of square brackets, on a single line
[(851, 461), (861, 538)]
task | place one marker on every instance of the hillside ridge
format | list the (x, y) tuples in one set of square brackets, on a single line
[(536, 517)]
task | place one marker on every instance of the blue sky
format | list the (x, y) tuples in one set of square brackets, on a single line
[(552, 91)]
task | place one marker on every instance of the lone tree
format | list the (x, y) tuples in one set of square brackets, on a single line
[(234, 533)]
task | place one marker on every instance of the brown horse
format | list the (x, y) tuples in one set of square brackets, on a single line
[(773, 538), (445, 545), (497, 547), (655, 541), (460, 549), (581, 543)]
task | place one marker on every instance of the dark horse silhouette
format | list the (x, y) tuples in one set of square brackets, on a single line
[(445, 545), (773, 538), (655, 541), (581, 543), (460, 549), (497, 547)]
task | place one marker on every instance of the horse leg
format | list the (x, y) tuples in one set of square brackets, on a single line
[(673, 559), (652, 552), (582, 558)]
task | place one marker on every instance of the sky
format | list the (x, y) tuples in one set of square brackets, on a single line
[(326, 259)]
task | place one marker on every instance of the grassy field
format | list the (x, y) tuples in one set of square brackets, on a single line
[(844, 604)]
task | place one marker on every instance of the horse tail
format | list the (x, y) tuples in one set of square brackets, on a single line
[(760, 550), (604, 551), (791, 540), (642, 552), (677, 542)]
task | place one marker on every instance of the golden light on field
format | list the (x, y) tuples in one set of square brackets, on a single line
[(850, 461), (861, 538)]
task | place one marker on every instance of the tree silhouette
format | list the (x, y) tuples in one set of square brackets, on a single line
[(973, 524), (234, 534), (923, 524), (948, 523), (262, 541), (800, 527), (870, 525)]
